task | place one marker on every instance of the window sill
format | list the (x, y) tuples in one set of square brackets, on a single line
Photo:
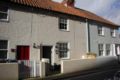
[(64, 30), (101, 35), (67, 58), (106, 56), (4, 20), (113, 36)]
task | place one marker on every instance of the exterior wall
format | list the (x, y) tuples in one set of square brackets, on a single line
[(76, 65), (96, 39), (8, 71), (26, 28), (17, 30)]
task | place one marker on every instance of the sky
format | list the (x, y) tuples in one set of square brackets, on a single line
[(108, 9)]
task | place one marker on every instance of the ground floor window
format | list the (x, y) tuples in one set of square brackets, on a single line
[(101, 49), (117, 48), (63, 50), (108, 49), (3, 49)]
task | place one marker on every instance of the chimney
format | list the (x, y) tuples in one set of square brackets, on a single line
[(70, 3)]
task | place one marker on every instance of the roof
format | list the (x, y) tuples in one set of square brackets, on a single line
[(58, 7)]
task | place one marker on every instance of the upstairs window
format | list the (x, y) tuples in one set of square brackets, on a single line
[(63, 50), (101, 49), (108, 49), (113, 32), (100, 30), (3, 49), (63, 24), (3, 13)]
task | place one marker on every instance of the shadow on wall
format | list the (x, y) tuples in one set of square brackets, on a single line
[(24, 71)]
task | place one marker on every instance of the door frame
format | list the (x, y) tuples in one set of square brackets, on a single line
[(41, 51)]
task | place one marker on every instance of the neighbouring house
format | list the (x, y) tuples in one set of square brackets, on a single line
[(36, 30)]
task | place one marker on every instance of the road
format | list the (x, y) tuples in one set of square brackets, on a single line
[(102, 75)]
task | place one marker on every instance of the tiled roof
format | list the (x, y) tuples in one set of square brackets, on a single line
[(58, 7)]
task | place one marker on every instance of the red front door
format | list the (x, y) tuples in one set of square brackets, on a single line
[(23, 52)]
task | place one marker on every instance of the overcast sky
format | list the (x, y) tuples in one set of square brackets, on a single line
[(109, 9)]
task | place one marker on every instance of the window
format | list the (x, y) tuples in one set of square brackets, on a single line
[(101, 49), (62, 50), (113, 32), (3, 49), (3, 13), (113, 49), (108, 49), (100, 30), (63, 24), (117, 48)]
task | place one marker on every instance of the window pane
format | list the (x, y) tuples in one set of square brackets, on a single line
[(100, 30), (63, 23), (3, 54), (62, 49), (65, 53), (101, 50), (61, 54), (3, 9), (108, 52), (65, 26), (3, 16), (62, 26), (100, 46), (113, 32), (3, 44), (61, 20), (107, 46), (3, 12), (101, 53)]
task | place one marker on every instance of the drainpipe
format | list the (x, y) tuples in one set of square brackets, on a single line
[(88, 36), (41, 51)]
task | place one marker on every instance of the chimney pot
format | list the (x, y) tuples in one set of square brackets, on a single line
[(70, 3)]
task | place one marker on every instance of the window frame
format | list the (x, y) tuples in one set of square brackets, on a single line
[(101, 31), (68, 50), (106, 47), (64, 22), (7, 49), (7, 13), (113, 32), (101, 50)]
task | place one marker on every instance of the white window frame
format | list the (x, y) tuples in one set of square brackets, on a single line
[(106, 48), (113, 32), (68, 52), (117, 49), (7, 56), (103, 50), (113, 50), (7, 19), (67, 24), (101, 29)]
